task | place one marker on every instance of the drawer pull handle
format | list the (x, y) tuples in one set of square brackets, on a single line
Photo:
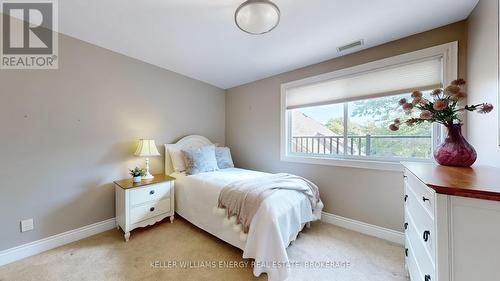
[(426, 235), (406, 252), (151, 209), (151, 192), (406, 197), (406, 225), (425, 199), (427, 277)]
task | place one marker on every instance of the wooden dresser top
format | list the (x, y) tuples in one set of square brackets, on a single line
[(481, 182), (129, 183)]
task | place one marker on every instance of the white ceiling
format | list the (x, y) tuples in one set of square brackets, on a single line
[(198, 38)]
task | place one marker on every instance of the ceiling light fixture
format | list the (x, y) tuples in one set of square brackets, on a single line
[(257, 16)]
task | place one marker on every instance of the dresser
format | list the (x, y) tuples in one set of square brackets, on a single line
[(144, 203), (452, 222)]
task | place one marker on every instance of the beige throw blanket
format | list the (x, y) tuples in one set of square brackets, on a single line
[(242, 199)]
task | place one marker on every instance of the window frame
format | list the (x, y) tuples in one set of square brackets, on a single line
[(449, 54)]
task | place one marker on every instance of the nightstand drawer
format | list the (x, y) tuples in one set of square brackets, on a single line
[(150, 193), (149, 210)]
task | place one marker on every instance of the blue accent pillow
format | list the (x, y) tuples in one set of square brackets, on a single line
[(223, 156), (200, 160)]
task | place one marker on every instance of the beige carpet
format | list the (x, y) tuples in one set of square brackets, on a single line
[(340, 254)]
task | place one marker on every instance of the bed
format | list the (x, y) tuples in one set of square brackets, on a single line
[(275, 225)]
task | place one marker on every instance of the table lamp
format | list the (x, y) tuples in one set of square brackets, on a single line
[(147, 148)]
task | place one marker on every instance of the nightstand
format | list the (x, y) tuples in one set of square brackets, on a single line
[(144, 203)]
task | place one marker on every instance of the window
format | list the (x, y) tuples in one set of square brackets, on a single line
[(344, 115), (324, 131)]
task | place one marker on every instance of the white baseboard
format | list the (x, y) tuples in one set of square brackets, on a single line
[(42, 245), (365, 228), (45, 244)]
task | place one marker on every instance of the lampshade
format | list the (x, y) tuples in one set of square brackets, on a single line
[(146, 148), (257, 16)]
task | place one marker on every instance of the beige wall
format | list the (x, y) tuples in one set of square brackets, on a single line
[(482, 71), (253, 133), (66, 134)]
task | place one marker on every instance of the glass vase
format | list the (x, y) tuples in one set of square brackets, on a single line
[(455, 150)]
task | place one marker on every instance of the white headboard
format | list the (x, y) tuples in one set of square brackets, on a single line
[(192, 141)]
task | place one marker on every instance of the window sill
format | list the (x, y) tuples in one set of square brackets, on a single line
[(350, 163)]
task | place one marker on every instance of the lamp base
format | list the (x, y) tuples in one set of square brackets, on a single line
[(148, 175)]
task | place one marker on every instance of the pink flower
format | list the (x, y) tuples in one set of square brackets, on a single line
[(407, 106), (416, 100), (458, 82), (485, 108), (402, 101), (452, 90), (393, 127), (416, 94), (440, 105), (426, 115), (436, 92)]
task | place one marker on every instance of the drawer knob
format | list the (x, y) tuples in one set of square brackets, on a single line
[(406, 197), (425, 199), (406, 225), (151, 192), (426, 235), (427, 277), (151, 209)]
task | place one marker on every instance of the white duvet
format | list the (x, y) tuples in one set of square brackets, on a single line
[(276, 223)]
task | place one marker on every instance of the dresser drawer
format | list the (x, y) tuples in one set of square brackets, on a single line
[(149, 210), (425, 195), (419, 268), (411, 262), (150, 193), (417, 217), (415, 230), (425, 244)]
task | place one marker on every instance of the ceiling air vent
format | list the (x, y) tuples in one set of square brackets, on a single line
[(350, 45)]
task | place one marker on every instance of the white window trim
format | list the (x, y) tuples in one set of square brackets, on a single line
[(449, 53)]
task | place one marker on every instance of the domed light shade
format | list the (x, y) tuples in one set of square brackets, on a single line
[(257, 16)]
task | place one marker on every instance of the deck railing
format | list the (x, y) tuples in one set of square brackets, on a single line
[(355, 145)]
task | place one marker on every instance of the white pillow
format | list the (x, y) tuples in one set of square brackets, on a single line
[(177, 158)]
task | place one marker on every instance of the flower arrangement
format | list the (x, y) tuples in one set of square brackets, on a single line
[(444, 108)]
